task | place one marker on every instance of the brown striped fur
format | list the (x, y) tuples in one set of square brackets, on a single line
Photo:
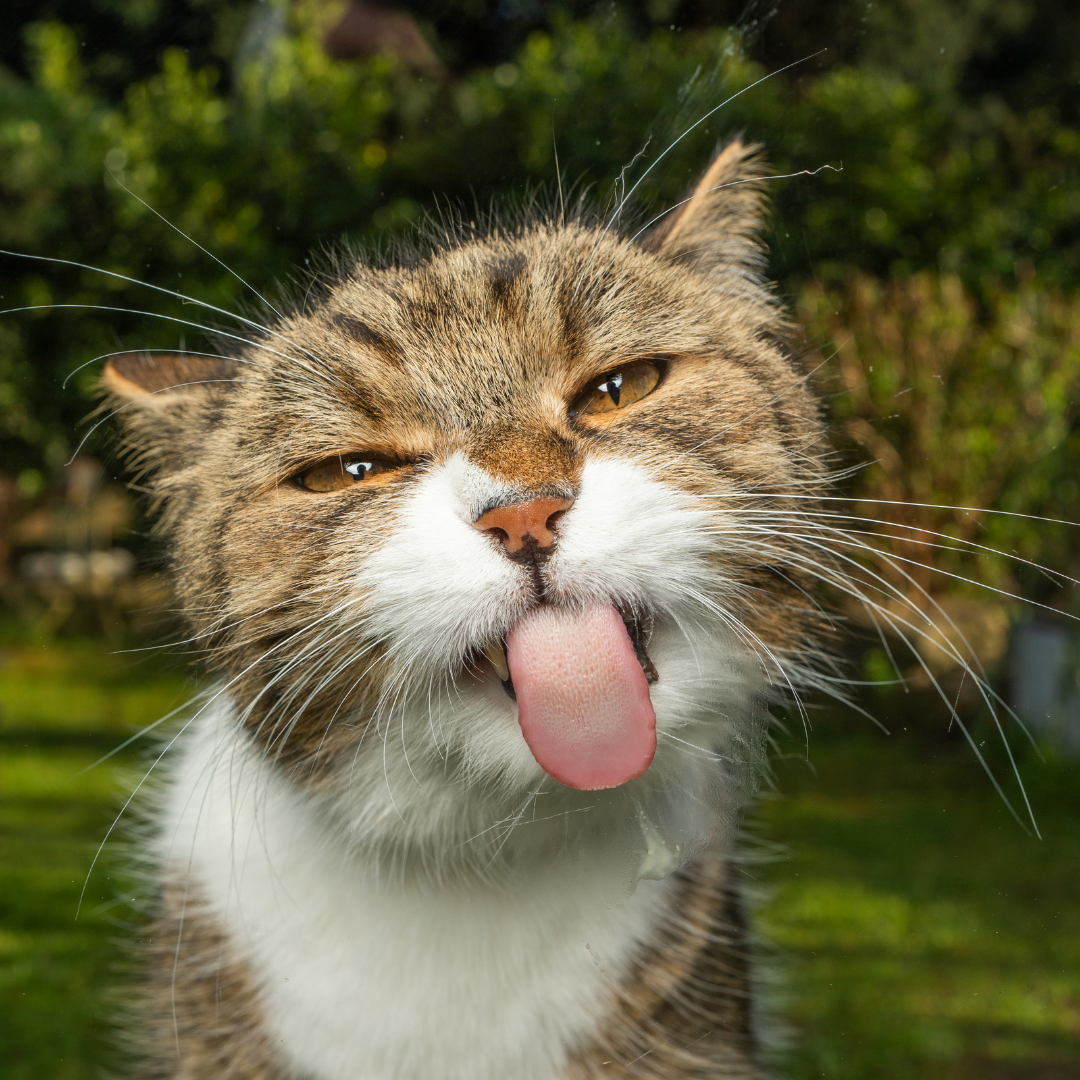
[(687, 1011), (197, 1013)]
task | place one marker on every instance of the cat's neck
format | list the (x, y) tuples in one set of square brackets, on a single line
[(494, 978)]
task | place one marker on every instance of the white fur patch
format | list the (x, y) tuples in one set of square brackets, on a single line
[(369, 979)]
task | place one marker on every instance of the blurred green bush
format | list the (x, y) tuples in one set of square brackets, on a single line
[(944, 245), (959, 405)]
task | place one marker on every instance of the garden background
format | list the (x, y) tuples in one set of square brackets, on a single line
[(919, 930)]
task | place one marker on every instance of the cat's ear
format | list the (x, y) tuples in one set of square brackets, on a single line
[(163, 381), (164, 402), (718, 226)]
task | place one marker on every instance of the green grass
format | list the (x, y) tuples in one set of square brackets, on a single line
[(61, 708), (921, 934)]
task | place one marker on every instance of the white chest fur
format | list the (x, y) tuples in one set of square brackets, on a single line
[(376, 980)]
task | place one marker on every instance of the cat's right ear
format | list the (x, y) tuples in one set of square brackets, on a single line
[(162, 382), (164, 401)]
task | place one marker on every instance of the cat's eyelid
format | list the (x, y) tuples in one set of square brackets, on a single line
[(620, 366), (377, 457)]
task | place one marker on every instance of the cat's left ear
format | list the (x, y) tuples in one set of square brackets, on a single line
[(717, 228), (161, 381)]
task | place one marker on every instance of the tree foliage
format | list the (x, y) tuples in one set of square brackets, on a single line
[(260, 149)]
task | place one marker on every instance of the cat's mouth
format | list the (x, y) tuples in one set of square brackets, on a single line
[(581, 681), (638, 629)]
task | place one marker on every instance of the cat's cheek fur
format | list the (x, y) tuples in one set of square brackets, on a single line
[(633, 538)]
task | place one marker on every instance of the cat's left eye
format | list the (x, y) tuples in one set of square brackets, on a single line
[(338, 473), (618, 388)]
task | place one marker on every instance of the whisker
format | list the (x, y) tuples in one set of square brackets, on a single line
[(894, 621), (167, 352), (733, 183), (161, 217), (848, 499), (148, 285)]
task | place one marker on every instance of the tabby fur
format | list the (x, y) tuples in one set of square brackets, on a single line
[(354, 792)]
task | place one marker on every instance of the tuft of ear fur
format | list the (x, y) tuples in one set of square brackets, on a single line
[(159, 380), (717, 227)]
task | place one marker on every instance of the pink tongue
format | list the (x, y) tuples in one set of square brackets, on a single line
[(583, 702)]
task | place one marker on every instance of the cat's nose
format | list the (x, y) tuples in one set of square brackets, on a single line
[(524, 525)]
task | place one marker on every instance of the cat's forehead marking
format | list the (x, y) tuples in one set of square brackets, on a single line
[(481, 348), (545, 288), (383, 345), (505, 274)]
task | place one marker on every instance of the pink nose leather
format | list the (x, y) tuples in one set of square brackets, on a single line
[(517, 524)]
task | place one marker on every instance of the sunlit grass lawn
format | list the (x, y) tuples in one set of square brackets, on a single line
[(61, 708), (921, 933)]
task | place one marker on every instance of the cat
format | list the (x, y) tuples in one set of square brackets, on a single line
[(496, 554)]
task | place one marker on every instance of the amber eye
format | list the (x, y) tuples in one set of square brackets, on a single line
[(338, 473), (618, 388)]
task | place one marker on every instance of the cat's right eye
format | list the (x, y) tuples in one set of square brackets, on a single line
[(339, 473)]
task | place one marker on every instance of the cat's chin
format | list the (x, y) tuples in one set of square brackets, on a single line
[(450, 787), (638, 831)]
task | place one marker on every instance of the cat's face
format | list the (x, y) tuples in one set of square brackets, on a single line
[(464, 529)]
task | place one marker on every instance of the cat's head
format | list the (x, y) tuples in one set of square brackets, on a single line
[(512, 521)]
